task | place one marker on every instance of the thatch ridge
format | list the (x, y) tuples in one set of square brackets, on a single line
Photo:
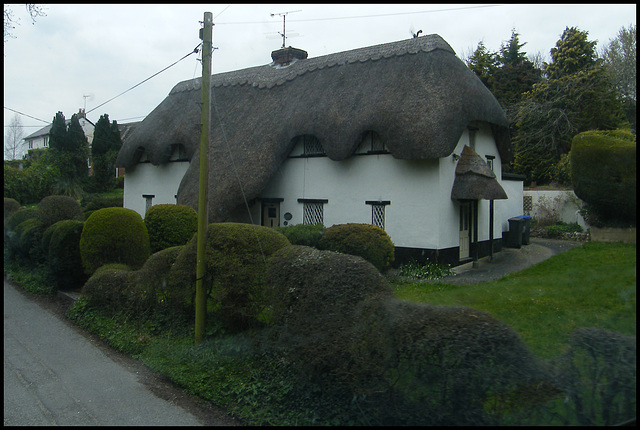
[(336, 98)]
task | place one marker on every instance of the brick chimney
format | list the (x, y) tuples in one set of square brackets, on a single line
[(81, 113), (285, 56)]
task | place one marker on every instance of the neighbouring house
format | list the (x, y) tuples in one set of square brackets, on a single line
[(40, 138), (401, 135)]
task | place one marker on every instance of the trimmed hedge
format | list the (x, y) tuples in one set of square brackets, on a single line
[(19, 216), (106, 288), (10, 206), (170, 225), (27, 242), (114, 235), (93, 202), (603, 171), (63, 248), (303, 234), (236, 256), (314, 296), (52, 209), (365, 240)]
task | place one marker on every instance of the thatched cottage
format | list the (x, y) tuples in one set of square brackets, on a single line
[(401, 135)]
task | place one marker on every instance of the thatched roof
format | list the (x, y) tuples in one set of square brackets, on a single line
[(474, 179), (415, 94)]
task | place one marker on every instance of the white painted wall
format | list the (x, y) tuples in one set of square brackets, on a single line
[(511, 207), (564, 203), (146, 179), (421, 214)]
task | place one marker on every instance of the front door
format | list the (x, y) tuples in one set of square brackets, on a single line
[(271, 214), (465, 229)]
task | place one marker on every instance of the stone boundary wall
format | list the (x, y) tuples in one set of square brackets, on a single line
[(606, 234)]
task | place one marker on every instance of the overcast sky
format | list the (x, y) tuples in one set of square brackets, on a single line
[(99, 51)]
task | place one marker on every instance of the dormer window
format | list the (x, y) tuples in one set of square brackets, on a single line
[(371, 144)]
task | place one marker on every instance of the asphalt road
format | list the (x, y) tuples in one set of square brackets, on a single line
[(53, 375)]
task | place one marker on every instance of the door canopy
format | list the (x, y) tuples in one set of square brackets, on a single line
[(474, 179)]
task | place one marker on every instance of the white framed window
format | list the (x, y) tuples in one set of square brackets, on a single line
[(313, 211), (30, 144), (148, 201), (490, 159), (378, 217)]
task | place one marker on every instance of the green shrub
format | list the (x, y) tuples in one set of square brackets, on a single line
[(303, 234), (598, 375), (64, 254), (52, 209), (170, 225), (106, 288), (429, 270), (10, 206), (603, 170), (557, 230), (93, 202), (235, 264), (437, 365), (367, 241), (314, 296), (114, 235), (19, 216), (29, 244)]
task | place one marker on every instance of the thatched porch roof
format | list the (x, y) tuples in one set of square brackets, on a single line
[(415, 94), (474, 179)]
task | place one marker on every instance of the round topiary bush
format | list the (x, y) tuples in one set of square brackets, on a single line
[(52, 209), (365, 240), (314, 296), (603, 171), (10, 206), (440, 364), (236, 257), (303, 234), (29, 241), (19, 216), (64, 259), (106, 289), (114, 235), (170, 225)]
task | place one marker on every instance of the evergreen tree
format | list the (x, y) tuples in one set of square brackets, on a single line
[(69, 152), (573, 53), (577, 97), (104, 151), (483, 63), (58, 133)]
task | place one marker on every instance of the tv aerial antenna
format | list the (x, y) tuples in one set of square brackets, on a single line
[(87, 96), (284, 24)]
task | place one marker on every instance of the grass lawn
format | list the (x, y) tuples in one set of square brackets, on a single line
[(593, 285)]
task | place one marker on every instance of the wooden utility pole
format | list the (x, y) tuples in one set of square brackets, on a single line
[(203, 189)]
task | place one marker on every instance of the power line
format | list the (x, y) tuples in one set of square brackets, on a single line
[(361, 16), (155, 74), (33, 117)]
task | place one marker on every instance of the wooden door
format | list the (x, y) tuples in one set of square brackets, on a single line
[(465, 229), (271, 214)]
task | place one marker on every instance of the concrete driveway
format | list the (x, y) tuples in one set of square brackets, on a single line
[(53, 375)]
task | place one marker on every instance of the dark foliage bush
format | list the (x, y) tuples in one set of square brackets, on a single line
[(19, 216), (65, 262), (314, 296), (52, 209), (437, 365), (236, 262), (367, 241), (603, 170), (598, 375), (114, 235), (107, 288), (10, 206), (557, 230), (32, 184), (303, 234), (152, 296), (170, 225), (93, 202), (26, 244)]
